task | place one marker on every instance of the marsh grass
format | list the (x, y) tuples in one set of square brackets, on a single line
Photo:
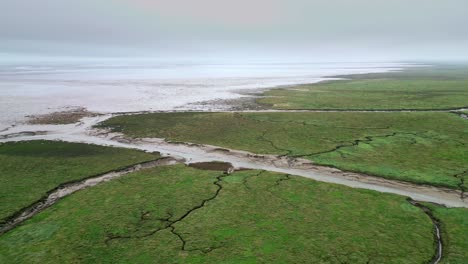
[(423, 147), (28, 170), (429, 88), (178, 214)]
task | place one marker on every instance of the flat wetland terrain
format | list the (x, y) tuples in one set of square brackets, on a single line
[(28, 170), (422, 147), (210, 213), (438, 87), (178, 214), (454, 225)]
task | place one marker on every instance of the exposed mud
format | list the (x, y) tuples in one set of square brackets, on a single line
[(70, 116), (214, 166), (464, 116), (196, 153), (69, 188), (6, 129), (437, 234), (23, 134), (269, 110), (248, 101), (461, 185)]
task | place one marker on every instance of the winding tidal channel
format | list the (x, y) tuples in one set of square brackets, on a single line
[(67, 189), (172, 153), (190, 153)]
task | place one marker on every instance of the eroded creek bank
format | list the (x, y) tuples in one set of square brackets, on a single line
[(437, 234), (169, 222), (195, 153), (68, 188), (215, 158)]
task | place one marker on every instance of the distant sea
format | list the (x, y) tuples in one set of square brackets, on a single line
[(39, 87)]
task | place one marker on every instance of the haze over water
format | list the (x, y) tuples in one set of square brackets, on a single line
[(37, 87), (224, 37)]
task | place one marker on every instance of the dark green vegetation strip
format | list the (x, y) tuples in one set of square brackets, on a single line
[(440, 87), (454, 225), (178, 214), (28, 170), (418, 147), (217, 166)]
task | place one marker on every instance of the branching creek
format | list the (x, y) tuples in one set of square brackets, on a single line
[(186, 152), (84, 132), (437, 234), (68, 188)]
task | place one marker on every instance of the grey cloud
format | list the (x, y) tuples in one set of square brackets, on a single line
[(392, 28)]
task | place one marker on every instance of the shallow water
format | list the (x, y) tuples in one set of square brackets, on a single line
[(28, 88)]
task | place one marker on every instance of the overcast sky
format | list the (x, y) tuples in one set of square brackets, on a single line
[(325, 29)]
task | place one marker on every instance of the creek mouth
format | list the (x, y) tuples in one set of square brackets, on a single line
[(68, 188)]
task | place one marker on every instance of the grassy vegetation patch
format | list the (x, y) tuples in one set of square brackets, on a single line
[(28, 170), (178, 214), (422, 88), (419, 147), (454, 224)]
